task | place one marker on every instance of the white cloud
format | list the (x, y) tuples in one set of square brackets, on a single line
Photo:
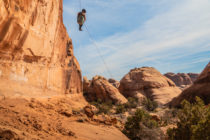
[(170, 35)]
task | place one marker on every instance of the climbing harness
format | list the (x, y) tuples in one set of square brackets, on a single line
[(80, 19)]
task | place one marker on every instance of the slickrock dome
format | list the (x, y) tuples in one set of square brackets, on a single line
[(149, 82)]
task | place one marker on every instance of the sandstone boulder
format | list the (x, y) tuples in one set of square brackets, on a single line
[(105, 119), (88, 111), (36, 53), (149, 82), (100, 88), (200, 88)]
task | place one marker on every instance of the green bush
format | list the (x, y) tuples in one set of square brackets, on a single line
[(194, 122), (169, 117), (132, 103), (149, 104), (139, 125), (121, 108), (103, 107)]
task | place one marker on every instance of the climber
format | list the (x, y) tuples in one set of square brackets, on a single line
[(81, 18)]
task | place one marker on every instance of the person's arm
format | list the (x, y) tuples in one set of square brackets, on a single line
[(85, 17)]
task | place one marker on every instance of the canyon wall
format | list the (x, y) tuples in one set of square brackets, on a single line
[(36, 53)]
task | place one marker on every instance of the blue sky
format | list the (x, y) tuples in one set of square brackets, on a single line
[(170, 35)]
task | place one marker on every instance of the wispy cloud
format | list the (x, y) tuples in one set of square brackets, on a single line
[(167, 39)]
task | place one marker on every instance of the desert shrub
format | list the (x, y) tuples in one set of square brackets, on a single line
[(140, 125), (194, 122), (132, 103), (169, 117), (149, 104), (103, 107), (121, 108)]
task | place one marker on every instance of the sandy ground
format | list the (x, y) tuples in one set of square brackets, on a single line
[(57, 118)]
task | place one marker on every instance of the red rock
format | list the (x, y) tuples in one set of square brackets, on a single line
[(36, 53), (148, 82), (100, 88), (193, 76), (114, 82), (88, 111), (200, 88), (182, 78)]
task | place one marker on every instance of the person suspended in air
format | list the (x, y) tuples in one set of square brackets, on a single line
[(81, 18)]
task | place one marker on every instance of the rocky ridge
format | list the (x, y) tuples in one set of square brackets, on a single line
[(182, 79)]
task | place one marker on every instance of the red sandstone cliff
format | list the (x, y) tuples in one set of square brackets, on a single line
[(36, 53)]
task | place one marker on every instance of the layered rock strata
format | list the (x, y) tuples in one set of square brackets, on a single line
[(36, 53)]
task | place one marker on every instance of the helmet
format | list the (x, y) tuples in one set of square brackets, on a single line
[(83, 10)]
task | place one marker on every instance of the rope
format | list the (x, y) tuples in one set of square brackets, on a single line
[(98, 50), (80, 4)]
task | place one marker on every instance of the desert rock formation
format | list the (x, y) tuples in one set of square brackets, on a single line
[(114, 82), (36, 53), (149, 82), (200, 88), (182, 78), (49, 119), (100, 88), (193, 76)]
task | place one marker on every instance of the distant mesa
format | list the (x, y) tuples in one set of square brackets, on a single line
[(182, 80), (200, 88)]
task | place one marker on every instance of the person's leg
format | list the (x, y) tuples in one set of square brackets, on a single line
[(80, 27)]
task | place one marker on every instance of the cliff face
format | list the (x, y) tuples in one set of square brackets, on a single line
[(36, 53)]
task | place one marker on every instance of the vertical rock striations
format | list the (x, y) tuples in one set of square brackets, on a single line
[(36, 53)]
